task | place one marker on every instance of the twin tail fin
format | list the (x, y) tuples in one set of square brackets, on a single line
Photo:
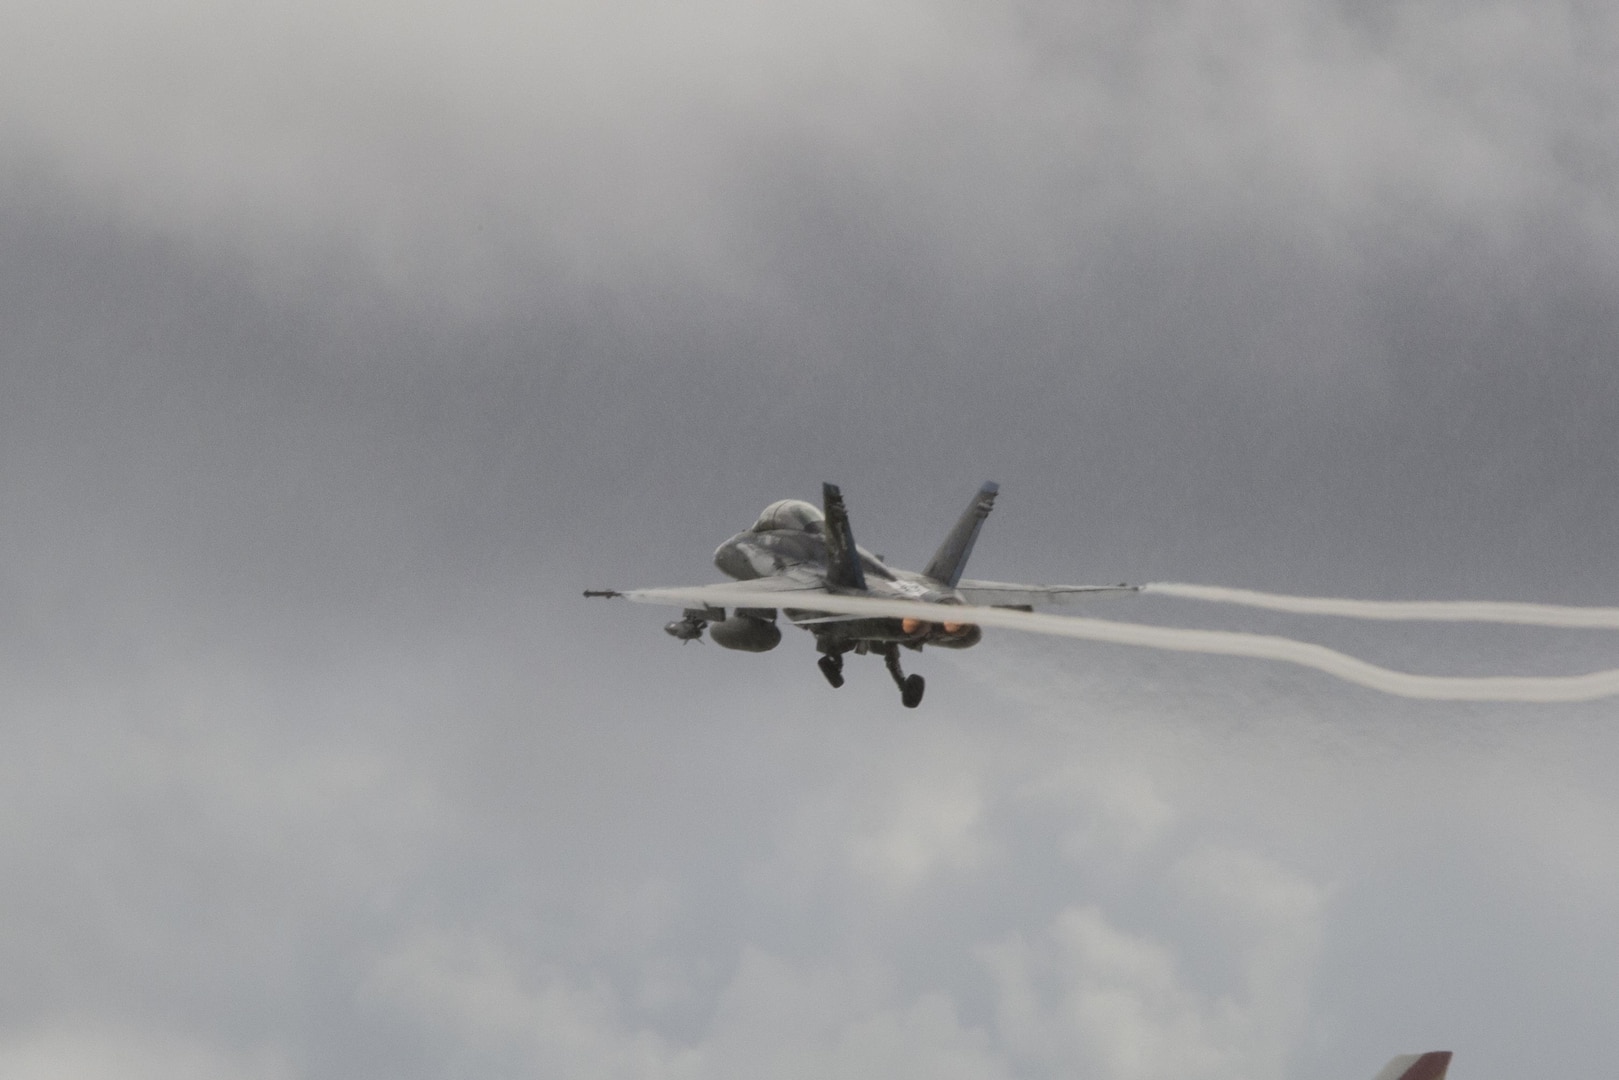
[(951, 558), (843, 569)]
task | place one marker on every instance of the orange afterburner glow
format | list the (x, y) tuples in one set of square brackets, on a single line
[(911, 626)]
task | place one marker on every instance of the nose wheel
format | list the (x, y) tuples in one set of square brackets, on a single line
[(910, 686), (831, 666)]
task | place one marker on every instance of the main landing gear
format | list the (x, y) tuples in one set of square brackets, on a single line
[(910, 686)]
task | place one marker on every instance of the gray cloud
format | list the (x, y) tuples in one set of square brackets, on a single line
[(339, 348)]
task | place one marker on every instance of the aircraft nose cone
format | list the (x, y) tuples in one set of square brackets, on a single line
[(732, 561)]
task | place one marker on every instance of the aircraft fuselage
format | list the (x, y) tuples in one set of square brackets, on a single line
[(754, 554)]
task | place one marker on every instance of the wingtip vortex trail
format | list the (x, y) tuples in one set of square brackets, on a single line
[(1469, 611), (1539, 689)]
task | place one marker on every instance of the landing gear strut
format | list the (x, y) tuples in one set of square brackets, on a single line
[(910, 686), (831, 666)]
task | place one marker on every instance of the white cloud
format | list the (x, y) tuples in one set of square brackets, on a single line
[(1086, 996), (836, 1019), (774, 1019), (1274, 920), (462, 986), (930, 823), (1116, 812), (127, 1053)]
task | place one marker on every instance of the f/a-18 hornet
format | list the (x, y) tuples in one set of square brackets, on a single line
[(805, 562)]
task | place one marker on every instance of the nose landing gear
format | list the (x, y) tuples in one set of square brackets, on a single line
[(831, 666)]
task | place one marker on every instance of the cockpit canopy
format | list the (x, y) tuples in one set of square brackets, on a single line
[(790, 514)]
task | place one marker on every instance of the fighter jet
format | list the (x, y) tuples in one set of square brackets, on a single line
[(803, 561)]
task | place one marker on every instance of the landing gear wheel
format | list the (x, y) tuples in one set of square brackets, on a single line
[(832, 668), (910, 695)]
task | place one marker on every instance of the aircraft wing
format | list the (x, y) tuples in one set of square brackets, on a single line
[(809, 595), (800, 591), (1008, 594), (781, 590)]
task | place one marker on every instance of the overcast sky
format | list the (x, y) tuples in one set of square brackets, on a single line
[(343, 344)]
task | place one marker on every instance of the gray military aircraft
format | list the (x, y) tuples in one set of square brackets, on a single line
[(803, 555)]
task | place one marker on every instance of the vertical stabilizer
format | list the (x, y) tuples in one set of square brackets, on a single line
[(843, 570), (1429, 1066), (951, 558)]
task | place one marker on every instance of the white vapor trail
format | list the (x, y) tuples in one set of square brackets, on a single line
[(1506, 688), (1485, 611)]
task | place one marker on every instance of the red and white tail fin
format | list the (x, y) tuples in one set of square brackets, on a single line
[(1429, 1066)]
